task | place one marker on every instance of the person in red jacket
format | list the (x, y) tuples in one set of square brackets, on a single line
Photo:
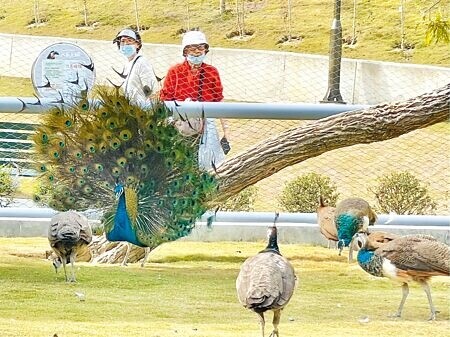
[(194, 80)]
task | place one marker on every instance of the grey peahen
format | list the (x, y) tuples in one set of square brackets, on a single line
[(352, 215), (69, 234), (266, 281), (325, 220), (405, 259), (126, 160)]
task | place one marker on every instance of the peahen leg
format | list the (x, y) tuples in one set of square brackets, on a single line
[(72, 262), (276, 321), (261, 322), (147, 252), (405, 292), (64, 260), (427, 290), (125, 259)]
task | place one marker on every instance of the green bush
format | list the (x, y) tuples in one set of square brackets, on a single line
[(7, 187), (243, 201), (402, 193), (302, 193)]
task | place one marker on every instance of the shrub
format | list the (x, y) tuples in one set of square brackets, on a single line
[(243, 201), (402, 193), (7, 187), (302, 193)]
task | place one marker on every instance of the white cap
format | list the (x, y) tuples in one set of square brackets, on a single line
[(193, 37), (126, 32)]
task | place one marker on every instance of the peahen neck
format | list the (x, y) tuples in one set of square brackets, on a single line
[(272, 245)]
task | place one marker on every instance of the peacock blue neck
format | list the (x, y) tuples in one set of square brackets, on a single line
[(347, 225), (123, 229), (370, 262), (365, 256)]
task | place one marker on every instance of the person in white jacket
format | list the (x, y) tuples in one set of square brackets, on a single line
[(140, 80)]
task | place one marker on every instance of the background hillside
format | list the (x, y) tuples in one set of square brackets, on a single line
[(377, 24)]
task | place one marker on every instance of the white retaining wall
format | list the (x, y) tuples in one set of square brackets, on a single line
[(249, 75)]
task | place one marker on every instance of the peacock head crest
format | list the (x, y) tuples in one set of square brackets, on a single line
[(359, 241), (118, 190)]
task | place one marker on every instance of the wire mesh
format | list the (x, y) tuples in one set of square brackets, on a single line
[(284, 74)]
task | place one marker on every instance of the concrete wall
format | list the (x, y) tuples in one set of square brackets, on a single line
[(305, 233), (249, 75)]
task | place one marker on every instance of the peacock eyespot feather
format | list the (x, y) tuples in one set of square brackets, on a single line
[(42, 168), (87, 189), (85, 106), (116, 171), (71, 169), (80, 182), (68, 123), (115, 143), (125, 135), (122, 161), (62, 144), (91, 148), (99, 167), (56, 154), (51, 178), (141, 154), (130, 152), (84, 170)]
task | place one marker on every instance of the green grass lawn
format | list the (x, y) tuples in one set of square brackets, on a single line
[(188, 289), (377, 24)]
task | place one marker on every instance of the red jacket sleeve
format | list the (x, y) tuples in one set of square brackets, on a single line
[(167, 92)]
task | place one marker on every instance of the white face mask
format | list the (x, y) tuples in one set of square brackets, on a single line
[(196, 59), (128, 50)]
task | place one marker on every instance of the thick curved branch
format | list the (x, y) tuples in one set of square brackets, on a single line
[(378, 123)]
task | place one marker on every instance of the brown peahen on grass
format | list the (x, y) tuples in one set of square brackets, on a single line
[(266, 281), (69, 234), (405, 259), (325, 220)]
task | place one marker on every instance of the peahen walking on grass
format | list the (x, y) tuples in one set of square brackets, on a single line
[(352, 215), (126, 160), (266, 282), (405, 259), (69, 235)]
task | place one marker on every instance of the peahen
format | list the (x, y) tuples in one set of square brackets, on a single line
[(69, 235), (126, 160), (325, 220), (266, 281), (352, 215), (405, 258)]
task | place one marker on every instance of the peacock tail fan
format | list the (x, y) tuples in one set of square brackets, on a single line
[(125, 159)]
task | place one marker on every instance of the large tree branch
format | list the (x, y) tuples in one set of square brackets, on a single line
[(378, 123)]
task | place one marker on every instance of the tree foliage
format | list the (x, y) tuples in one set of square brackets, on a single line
[(402, 193), (302, 193)]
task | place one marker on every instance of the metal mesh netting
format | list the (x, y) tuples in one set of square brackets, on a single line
[(287, 74)]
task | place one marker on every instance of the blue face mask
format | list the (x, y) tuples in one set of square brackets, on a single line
[(128, 50), (196, 59)]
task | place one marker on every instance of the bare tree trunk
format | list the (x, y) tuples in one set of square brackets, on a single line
[(378, 123), (136, 10), (222, 6), (85, 13), (374, 124), (353, 40), (37, 19), (289, 19), (402, 25), (188, 19)]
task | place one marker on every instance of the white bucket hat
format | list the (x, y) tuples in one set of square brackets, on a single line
[(193, 37)]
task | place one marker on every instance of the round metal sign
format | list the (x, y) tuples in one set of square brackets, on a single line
[(63, 71)]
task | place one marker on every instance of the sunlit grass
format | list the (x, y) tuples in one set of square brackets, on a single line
[(377, 24), (187, 289)]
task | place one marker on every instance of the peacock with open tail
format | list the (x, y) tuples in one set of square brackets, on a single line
[(127, 160)]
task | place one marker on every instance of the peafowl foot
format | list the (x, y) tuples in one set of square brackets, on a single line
[(397, 314), (274, 334), (433, 315)]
